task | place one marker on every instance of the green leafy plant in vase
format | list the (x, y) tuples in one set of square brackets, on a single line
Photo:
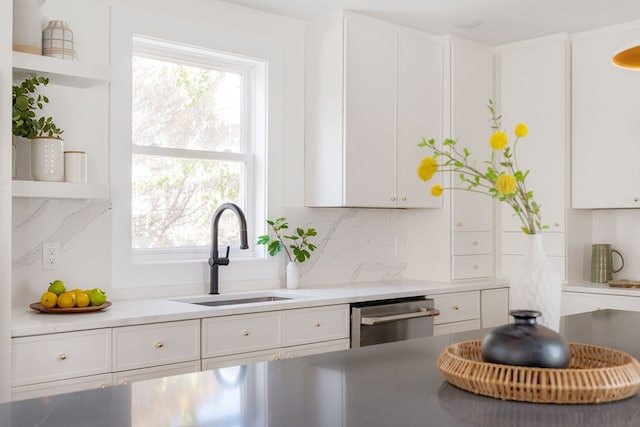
[(296, 246), (47, 147)]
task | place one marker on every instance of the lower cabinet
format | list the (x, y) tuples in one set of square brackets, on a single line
[(468, 310), (582, 302), (74, 361)]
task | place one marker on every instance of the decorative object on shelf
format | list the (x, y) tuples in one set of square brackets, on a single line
[(58, 42), (595, 375), (27, 27), (534, 283), (75, 166), (602, 262), (47, 158), (298, 251), (525, 343), (47, 147)]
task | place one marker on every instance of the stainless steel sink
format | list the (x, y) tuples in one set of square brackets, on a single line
[(217, 303)]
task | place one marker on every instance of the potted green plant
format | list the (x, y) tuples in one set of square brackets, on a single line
[(298, 249), (47, 147)]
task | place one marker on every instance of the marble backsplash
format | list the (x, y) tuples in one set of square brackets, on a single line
[(353, 245)]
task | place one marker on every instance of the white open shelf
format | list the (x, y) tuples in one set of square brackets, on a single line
[(60, 190), (60, 71)]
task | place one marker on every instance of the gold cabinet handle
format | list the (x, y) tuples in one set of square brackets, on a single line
[(317, 324), (404, 198), (458, 224), (456, 307), (245, 333), (474, 243), (123, 382), (475, 266), (291, 356), (393, 198), (102, 385), (62, 357), (635, 199), (276, 357), (159, 344)]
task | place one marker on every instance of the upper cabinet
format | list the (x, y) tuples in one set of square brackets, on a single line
[(606, 121), (372, 91)]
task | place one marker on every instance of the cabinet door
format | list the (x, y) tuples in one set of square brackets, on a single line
[(316, 324), (241, 334), (370, 114), (457, 306), (606, 128), (494, 307), (52, 357), (60, 387), (533, 90), (419, 88), (471, 76)]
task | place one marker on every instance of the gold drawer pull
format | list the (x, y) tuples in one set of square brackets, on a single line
[(474, 243), (456, 307), (635, 199), (62, 356), (393, 199), (103, 386), (245, 333), (475, 266), (123, 382), (291, 356), (458, 224), (276, 357), (404, 199), (317, 324), (159, 344)]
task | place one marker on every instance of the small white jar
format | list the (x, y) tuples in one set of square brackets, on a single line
[(75, 166)]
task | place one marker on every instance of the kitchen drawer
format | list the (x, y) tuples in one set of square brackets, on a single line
[(43, 358), (470, 266), (156, 344), (471, 243), (455, 327), (60, 387), (317, 348), (515, 243), (316, 324), (240, 334), (241, 359), (127, 377), (457, 306)]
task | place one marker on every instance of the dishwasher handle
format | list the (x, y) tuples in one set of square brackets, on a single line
[(424, 312)]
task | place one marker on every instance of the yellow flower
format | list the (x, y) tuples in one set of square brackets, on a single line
[(428, 167), (506, 184), (498, 140), (436, 190), (521, 130)]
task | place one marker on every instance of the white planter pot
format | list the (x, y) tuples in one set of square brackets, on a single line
[(27, 26), (47, 159), (293, 275)]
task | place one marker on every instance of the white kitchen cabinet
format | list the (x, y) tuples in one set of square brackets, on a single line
[(471, 213), (582, 302), (126, 377), (459, 311), (61, 386), (494, 307), (241, 334), (316, 324), (142, 346), (534, 88), (373, 90), (44, 358), (606, 129)]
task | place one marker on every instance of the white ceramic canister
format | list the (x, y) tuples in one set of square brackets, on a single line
[(47, 158), (27, 26), (57, 41), (75, 166)]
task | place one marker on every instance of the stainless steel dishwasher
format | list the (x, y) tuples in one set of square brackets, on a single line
[(377, 322)]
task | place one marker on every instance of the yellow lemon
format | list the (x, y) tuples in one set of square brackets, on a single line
[(67, 300), (82, 299), (48, 299)]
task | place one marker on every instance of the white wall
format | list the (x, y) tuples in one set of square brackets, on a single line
[(621, 229), (354, 244)]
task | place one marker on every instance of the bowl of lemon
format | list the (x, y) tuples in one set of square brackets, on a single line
[(57, 299)]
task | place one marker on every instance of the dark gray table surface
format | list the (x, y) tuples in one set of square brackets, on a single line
[(389, 385)]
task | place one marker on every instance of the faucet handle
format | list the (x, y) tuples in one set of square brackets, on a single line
[(227, 255)]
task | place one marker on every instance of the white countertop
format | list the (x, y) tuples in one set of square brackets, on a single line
[(135, 312), (599, 288)]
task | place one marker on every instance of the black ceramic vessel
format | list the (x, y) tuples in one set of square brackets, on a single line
[(525, 343)]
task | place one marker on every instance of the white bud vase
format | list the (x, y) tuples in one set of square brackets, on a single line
[(47, 158), (293, 275)]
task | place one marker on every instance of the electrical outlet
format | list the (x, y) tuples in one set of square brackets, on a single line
[(50, 254)]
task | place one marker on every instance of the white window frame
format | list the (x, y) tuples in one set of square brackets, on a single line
[(172, 52), (186, 266)]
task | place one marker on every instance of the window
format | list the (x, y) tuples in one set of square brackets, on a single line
[(192, 148)]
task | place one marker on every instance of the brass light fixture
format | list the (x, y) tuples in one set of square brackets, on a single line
[(628, 57)]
